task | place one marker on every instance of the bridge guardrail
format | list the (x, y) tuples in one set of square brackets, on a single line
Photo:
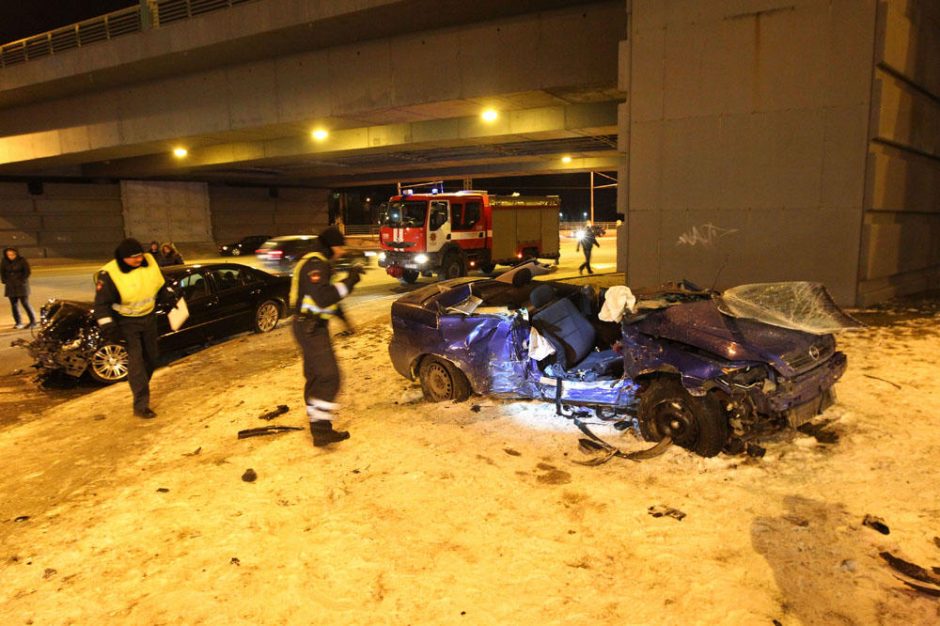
[(106, 27)]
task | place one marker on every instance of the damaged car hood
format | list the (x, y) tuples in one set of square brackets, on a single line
[(704, 326)]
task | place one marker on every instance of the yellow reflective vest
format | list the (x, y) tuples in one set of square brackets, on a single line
[(138, 288), (307, 305)]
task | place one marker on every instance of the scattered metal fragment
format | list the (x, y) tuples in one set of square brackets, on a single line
[(755, 451), (49, 573), (909, 569), (235, 561), (936, 541), (927, 589), (475, 408), (661, 510), (265, 430), (896, 386), (819, 432), (162, 490), (876, 523), (512, 452), (270, 415), (194, 452), (249, 476), (21, 518), (594, 444)]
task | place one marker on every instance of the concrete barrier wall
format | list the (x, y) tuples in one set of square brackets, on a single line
[(747, 132), (900, 249), (241, 211), (63, 221)]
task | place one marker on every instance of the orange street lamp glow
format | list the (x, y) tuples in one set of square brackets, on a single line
[(180, 152), (489, 115), (320, 134), (566, 159)]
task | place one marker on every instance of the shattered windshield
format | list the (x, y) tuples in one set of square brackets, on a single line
[(802, 306), (407, 213)]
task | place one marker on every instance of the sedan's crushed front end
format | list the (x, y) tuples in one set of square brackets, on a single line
[(66, 339)]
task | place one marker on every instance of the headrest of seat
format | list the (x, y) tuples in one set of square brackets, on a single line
[(542, 295), (522, 277)]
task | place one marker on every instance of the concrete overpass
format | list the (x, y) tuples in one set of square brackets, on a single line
[(756, 140), (399, 85)]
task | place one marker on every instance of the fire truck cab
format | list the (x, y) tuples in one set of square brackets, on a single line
[(449, 234)]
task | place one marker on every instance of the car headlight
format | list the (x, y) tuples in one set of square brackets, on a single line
[(421, 259)]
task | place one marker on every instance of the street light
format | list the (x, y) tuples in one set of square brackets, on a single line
[(566, 159), (320, 134), (180, 152), (489, 115)]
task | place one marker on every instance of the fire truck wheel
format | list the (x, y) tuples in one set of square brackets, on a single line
[(487, 268), (410, 277), (452, 267)]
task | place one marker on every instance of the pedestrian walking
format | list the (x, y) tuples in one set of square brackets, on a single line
[(127, 289), (169, 255), (314, 299), (14, 271), (587, 241)]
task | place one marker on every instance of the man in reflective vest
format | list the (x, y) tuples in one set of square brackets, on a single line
[(314, 299), (125, 299)]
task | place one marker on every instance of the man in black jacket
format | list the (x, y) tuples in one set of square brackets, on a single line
[(14, 272), (126, 292), (315, 300), (587, 240)]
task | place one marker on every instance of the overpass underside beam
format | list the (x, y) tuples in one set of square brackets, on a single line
[(535, 138)]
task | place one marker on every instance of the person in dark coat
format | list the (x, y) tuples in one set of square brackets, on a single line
[(14, 271), (587, 241), (126, 293), (314, 298), (169, 255), (155, 249)]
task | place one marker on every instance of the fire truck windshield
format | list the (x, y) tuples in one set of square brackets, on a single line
[(406, 213)]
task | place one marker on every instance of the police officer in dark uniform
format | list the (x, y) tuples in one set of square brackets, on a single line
[(127, 290), (587, 241), (315, 300)]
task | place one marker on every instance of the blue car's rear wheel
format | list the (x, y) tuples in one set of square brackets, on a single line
[(442, 381), (695, 423)]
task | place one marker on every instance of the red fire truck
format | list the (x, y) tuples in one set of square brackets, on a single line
[(449, 234)]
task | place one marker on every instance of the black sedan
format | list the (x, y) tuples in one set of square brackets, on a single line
[(223, 299), (245, 245)]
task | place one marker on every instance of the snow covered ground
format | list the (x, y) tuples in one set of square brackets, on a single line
[(470, 513)]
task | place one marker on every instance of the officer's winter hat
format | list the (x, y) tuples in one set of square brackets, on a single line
[(128, 247), (331, 237)]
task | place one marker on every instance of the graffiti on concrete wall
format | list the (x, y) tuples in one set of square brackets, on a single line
[(705, 235)]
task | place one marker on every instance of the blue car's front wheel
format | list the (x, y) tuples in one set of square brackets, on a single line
[(442, 381), (695, 423)]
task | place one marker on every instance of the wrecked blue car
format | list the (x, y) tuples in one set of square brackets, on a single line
[(705, 370)]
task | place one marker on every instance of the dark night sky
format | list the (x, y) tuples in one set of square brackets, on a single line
[(23, 18)]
